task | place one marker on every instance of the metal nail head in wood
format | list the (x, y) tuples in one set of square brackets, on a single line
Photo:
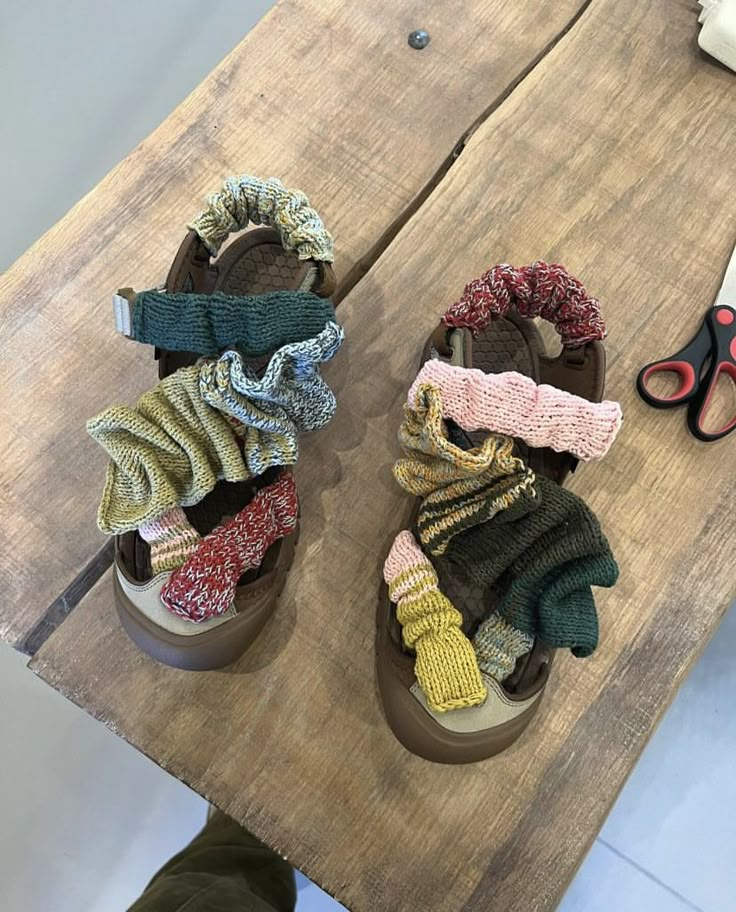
[(418, 39)]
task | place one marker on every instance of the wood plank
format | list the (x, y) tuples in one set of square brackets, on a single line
[(327, 96), (614, 157)]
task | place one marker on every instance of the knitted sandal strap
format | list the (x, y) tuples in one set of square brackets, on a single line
[(544, 290), (446, 666), (271, 410), (498, 645), (205, 585), (247, 199), (512, 404), (459, 488), (181, 437), (172, 539), (207, 324)]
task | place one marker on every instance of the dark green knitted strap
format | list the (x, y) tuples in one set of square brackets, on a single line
[(559, 606), (541, 565), (206, 324)]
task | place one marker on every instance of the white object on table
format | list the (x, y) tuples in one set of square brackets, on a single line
[(718, 35)]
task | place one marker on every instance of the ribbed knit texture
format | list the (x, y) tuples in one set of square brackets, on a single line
[(459, 488), (445, 667), (510, 403), (545, 290), (542, 565), (498, 645), (205, 585), (247, 199), (170, 450), (290, 397), (173, 447), (207, 324), (172, 539)]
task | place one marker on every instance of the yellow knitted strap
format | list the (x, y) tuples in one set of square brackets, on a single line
[(247, 199), (445, 666), (429, 613)]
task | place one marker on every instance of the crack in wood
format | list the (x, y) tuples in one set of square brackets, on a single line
[(63, 605), (363, 266)]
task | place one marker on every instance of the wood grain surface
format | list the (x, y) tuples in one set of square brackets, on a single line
[(614, 157), (324, 94)]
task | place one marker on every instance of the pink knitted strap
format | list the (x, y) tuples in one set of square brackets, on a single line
[(512, 404), (204, 586), (544, 290), (172, 539), (405, 555)]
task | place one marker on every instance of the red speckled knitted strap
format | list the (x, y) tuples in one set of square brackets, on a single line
[(544, 290), (204, 586)]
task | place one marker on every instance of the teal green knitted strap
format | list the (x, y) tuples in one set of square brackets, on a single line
[(207, 324)]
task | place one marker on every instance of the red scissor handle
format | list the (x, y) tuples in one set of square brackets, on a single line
[(686, 363), (721, 323)]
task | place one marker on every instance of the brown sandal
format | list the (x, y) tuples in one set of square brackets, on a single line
[(466, 735), (255, 262)]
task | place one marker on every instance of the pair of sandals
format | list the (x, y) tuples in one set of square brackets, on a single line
[(268, 259)]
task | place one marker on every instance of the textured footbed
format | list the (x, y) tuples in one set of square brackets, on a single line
[(254, 263)]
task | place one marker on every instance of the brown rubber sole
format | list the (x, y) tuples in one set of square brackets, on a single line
[(255, 603), (255, 262), (511, 343)]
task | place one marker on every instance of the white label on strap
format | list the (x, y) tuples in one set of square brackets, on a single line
[(123, 315)]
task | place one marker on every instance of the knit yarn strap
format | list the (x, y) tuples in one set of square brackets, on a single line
[(510, 403), (204, 586), (290, 397), (498, 645), (459, 488), (247, 199), (169, 450), (446, 667), (541, 566), (544, 290), (172, 539), (181, 437), (206, 324)]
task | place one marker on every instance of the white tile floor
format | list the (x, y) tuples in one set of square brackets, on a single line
[(85, 818)]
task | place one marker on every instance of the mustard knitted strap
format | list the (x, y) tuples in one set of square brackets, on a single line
[(459, 488), (247, 199), (446, 667)]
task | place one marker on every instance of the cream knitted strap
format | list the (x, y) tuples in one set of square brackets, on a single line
[(247, 199)]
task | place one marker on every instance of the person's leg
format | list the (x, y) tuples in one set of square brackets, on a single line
[(223, 869)]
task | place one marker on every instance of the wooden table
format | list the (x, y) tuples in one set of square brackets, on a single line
[(590, 133)]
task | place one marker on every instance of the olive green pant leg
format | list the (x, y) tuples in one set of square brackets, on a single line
[(223, 869)]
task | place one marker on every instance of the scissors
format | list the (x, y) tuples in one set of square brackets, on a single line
[(706, 357)]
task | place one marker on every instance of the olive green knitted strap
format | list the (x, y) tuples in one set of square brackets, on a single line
[(247, 199), (541, 566)]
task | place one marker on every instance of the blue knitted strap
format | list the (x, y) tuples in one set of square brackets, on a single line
[(271, 410)]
